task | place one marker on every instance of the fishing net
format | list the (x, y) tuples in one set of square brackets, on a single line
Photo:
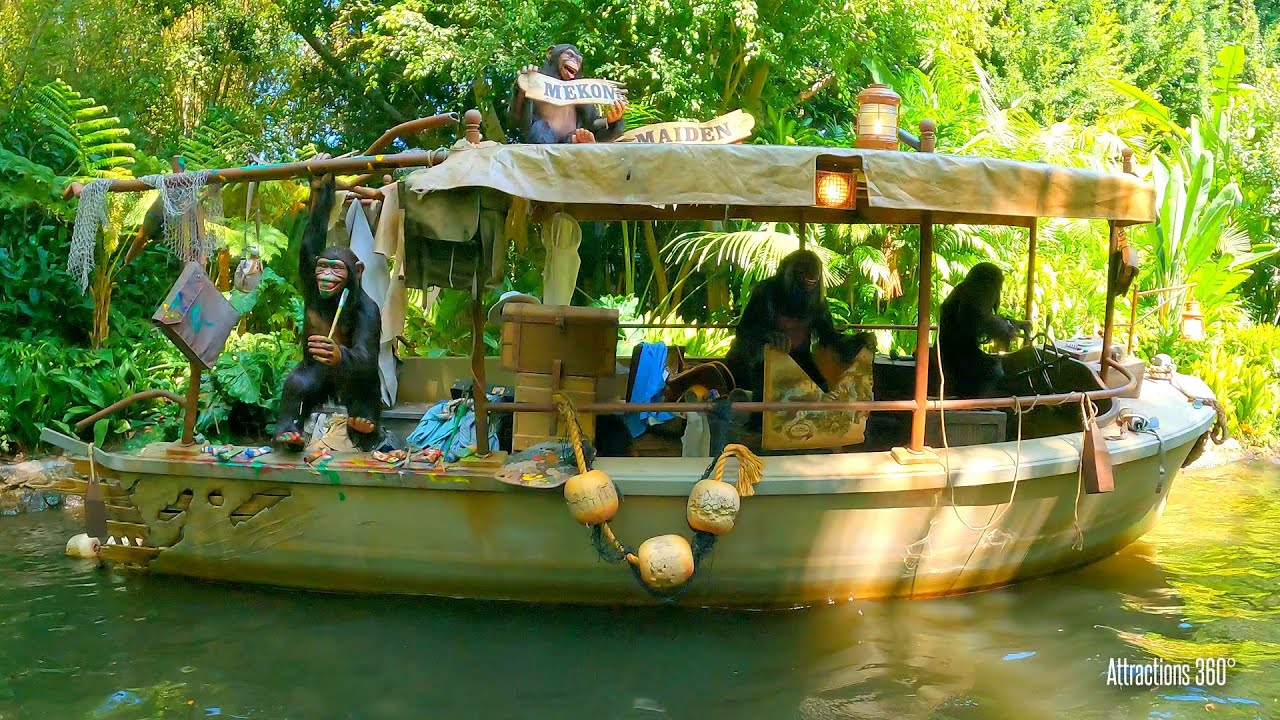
[(180, 193), (91, 214)]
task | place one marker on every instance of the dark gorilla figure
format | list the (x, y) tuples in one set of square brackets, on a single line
[(346, 367), (544, 123), (968, 319), (785, 312)]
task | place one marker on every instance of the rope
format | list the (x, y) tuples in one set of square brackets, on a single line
[(750, 468), (1218, 433), (570, 415), (1088, 415), (997, 515)]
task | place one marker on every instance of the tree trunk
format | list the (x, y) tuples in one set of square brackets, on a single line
[(101, 291), (335, 64), (759, 74), (655, 259), (490, 125)]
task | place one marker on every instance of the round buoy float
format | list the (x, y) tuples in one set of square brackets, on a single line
[(83, 546), (665, 562), (713, 506), (591, 497)]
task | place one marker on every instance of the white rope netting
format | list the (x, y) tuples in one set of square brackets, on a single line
[(180, 193), (91, 214)]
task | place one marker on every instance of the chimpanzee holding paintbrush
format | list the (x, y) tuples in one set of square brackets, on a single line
[(342, 330)]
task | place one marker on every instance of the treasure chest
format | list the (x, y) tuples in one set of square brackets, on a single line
[(583, 340), (556, 349)]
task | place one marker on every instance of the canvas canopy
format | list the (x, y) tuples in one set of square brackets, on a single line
[(768, 182)]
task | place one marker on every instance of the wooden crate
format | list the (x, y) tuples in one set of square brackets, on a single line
[(533, 428), (584, 340)]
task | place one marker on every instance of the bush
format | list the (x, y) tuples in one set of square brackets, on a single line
[(1239, 365)]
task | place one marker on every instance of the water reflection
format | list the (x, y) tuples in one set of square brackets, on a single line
[(77, 643)]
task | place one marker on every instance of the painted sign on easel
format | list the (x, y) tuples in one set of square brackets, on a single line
[(196, 317), (726, 129), (584, 91)]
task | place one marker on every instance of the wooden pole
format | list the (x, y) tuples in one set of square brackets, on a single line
[(1032, 241), (479, 388), (285, 171), (922, 334), (192, 409), (928, 138), (1108, 326), (1133, 318)]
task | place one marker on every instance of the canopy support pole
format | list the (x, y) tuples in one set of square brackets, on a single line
[(1032, 242), (1108, 326), (922, 334), (479, 388)]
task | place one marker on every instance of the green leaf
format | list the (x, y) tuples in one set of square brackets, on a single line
[(100, 431)]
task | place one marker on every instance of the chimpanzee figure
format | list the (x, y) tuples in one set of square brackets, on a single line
[(968, 319), (345, 367), (544, 123), (785, 312)]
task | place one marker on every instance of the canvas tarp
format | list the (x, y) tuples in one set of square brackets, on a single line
[(900, 184)]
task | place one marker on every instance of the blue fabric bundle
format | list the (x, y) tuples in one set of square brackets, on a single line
[(650, 378), (450, 426)]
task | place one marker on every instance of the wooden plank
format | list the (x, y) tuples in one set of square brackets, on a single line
[(129, 554), (79, 485), (124, 513), (133, 531)]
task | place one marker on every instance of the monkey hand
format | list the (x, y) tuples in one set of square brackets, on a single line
[(779, 341), (528, 70), (616, 111), (323, 350), (582, 135), (317, 181)]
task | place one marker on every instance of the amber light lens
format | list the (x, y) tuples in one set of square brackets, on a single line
[(835, 189)]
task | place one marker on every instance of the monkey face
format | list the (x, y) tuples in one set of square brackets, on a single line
[(331, 276), (569, 64)]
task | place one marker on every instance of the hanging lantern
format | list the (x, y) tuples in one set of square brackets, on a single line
[(713, 506), (591, 497), (666, 562), (1192, 325), (878, 118)]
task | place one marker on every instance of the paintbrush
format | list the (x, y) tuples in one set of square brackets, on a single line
[(342, 300)]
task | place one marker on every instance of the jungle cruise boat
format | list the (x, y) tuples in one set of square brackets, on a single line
[(913, 495)]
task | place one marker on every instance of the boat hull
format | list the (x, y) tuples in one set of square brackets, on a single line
[(822, 528)]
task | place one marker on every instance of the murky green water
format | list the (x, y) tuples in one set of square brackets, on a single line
[(79, 643)]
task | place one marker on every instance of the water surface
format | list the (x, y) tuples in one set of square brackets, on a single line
[(76, 642)]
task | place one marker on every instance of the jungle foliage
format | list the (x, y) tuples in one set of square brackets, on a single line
[(114, 88)]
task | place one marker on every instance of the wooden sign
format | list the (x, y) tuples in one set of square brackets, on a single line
[(196, 317), (731, 128), (583, 91)]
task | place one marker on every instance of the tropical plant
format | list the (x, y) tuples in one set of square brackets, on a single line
[(241, 396), (81, 133)]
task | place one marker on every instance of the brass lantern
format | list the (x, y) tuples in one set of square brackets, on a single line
[(1192, 325), (835, 189), (878, 118)]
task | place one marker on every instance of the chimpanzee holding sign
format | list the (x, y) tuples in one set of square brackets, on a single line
[(544, 123)]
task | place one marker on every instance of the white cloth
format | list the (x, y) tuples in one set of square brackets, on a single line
[(376, 280), (562, 237), (697, 436)]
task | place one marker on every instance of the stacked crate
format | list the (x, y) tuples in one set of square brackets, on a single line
[(556, 348)]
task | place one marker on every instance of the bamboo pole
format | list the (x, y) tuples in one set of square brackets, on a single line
[(286, 171), (922, 335), (1108, 326), (1032, 242), (1024, 401)]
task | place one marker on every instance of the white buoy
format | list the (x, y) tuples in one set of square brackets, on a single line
[(83, 546)]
